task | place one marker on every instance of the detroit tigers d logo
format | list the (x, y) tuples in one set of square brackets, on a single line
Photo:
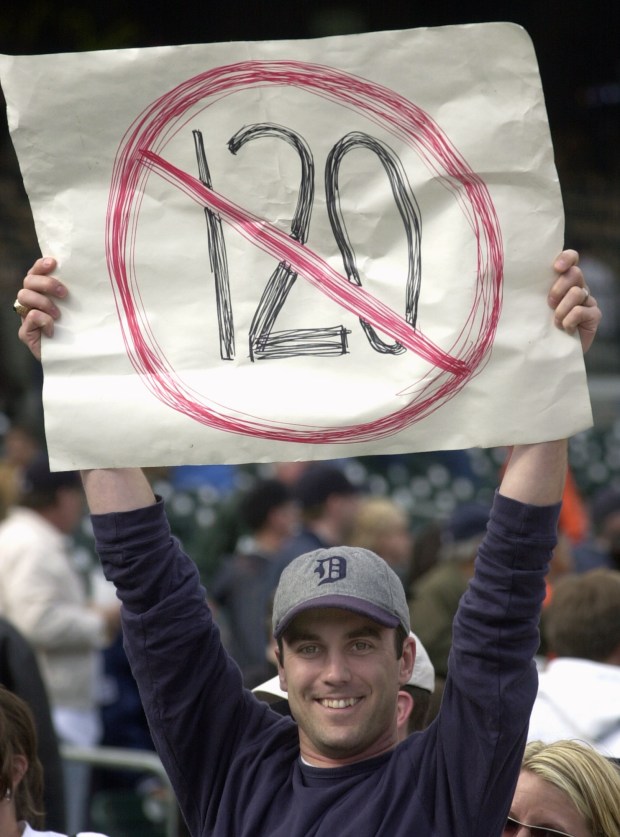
[(331, 569)]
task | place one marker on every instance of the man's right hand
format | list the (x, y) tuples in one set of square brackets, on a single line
[(38, 292), (109, 490)]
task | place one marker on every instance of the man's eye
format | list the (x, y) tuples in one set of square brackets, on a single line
[(308, 650), (362, 645)]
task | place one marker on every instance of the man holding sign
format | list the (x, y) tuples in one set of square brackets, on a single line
[(341, 621)]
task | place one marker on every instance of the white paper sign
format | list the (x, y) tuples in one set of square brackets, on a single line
[(297, 249)]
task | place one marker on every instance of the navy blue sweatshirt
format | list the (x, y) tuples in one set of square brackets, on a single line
[(235, 764)]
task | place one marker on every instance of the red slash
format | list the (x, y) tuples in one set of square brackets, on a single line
[(312, 267)]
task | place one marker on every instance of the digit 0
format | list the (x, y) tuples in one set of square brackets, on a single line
[(408, 210)]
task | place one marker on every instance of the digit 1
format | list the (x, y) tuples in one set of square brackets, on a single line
[(217, 260)]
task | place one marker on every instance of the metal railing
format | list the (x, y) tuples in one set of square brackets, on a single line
[(143, 761)]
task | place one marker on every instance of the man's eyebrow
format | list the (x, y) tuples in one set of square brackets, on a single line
[(366, 630), (293, 635)]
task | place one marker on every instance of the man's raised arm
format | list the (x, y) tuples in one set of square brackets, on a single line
[(116, 490)]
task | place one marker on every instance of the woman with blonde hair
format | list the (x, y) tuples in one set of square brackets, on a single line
[(21, 774), (565, 789)]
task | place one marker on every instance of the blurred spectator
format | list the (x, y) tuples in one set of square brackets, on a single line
[(562, 564), (579, 689), (565, 787), (382, 526), (21, 773), (19, 673), (604, 284), (124, 721), (329, 502), (602, 548), (426, 546), (435, 596), (228, 528), (20, 446), (573, 520), (42, 594), (244, 586)]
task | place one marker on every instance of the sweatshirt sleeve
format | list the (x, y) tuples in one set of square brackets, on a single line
[(492, 678), (191, 690)]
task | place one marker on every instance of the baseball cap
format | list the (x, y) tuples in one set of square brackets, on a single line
[(344, 577), (422, 676)]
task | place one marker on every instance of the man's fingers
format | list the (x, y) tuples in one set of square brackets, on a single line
[(33, 325), (566, 260), (37, 320), (38, 301), (582, 318), (575, 297), (39, 290), (570, 279), (39, 280), (42, 266), (36, 296), (575, 309)]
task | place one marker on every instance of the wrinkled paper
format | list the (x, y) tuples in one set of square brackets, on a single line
[(297, 249)]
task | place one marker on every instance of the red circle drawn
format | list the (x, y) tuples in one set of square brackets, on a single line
[(159, 123)]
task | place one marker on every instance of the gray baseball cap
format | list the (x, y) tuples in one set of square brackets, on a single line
[(344, 577)]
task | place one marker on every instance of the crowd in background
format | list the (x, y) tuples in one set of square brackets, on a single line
[(55, 602)]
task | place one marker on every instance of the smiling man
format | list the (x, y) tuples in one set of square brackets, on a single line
[(342, 623), (341, 620)]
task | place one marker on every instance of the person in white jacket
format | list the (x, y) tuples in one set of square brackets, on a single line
[(579, 688), (43, 595)]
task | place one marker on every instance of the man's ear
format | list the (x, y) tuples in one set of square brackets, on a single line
[(404, 708), (281, 672), (407, 660)]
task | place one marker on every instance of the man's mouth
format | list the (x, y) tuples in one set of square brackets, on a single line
[(339, 703)]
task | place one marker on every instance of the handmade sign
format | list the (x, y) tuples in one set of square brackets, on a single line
[(297, 249)]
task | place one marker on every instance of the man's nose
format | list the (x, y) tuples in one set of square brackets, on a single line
[(336, 668)]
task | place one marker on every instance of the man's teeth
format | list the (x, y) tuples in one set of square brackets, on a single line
[(339, 704)]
